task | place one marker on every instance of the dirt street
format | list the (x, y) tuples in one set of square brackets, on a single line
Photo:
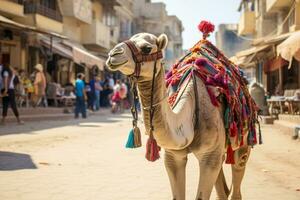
[(86, 160)]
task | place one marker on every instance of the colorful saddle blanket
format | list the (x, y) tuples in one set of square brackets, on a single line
[(240, 117)]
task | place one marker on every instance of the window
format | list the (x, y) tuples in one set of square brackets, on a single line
[(49, 4)]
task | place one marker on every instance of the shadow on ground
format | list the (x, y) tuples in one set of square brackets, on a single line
[(94, 120), (10, 161)]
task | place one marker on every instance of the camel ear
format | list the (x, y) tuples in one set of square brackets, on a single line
[(162, 41)]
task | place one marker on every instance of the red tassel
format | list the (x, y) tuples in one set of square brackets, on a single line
[(242, 141), (152, 149), (233, 129), (230, 155)]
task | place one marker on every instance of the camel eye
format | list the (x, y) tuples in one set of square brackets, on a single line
[(146, 49)]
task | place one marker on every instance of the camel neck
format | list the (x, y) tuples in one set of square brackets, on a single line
[(159, 100), (170, 131)]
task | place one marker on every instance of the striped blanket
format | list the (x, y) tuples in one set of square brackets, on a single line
[(209, 64)]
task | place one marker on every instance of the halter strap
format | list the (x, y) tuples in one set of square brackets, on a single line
[(139, 57)]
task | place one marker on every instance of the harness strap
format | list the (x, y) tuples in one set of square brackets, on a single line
[(139, 57), (196, 126), (152, 108)]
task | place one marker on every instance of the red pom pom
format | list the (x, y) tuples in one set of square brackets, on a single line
[(206, 28)]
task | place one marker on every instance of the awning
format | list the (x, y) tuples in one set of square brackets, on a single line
[(8, 22), (252, 50), (290, 48), (4, 20), (82, 56), (58, 48), (73, 51), (244, 61)]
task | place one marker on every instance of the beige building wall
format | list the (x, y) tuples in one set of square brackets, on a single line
[(11, 9), (72, 28)]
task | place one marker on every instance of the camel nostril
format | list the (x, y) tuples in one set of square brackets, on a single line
[(116, 51)]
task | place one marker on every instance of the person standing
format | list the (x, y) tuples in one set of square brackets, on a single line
[(40, 86), (10, 81), (98, 89), (80, 96), (91, 94)]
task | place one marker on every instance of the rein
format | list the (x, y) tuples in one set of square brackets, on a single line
[(152, 153)]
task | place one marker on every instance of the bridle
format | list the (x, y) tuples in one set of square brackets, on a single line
[(139, 58)]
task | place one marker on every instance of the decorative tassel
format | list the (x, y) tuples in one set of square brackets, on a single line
[(233, 129), (134, 138), (130, 140), (152, 149), (242, 141), (137, 137), (230, 155), (226, 117)]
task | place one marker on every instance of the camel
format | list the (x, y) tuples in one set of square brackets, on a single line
[(175, 129)]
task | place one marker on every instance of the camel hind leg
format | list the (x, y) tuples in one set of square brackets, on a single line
[(221, 187), (238, 170)]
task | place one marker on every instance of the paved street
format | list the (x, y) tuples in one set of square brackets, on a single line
[(86, 160)]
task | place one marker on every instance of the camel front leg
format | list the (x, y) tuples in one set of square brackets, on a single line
[(238, 170), (210, 166), (175, 163)]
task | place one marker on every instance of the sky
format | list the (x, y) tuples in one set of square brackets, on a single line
[(191, 12)]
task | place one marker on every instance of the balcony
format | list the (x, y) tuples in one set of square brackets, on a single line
[(43, 17), (35, 8), (276, 5), (12, 8), (247, 23), (80, 10), (96, 35)]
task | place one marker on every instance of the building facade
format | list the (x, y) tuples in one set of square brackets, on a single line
[(270, 23), (153, 18), (72, 36)]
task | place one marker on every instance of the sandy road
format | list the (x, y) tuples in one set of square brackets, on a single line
[(86, 160)]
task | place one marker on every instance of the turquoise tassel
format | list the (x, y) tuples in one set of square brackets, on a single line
[(130, 140), (226, 117)]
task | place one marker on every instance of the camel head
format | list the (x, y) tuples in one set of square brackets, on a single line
[(121, 58)]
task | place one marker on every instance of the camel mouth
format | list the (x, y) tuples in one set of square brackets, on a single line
[(115, 66)]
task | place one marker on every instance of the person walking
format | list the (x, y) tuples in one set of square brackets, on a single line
[(40, 86), (10, 82), (80, 96)]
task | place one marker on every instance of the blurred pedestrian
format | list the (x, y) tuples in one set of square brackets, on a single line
[(116, 98), (123, 94), (98, 89), (28, 86), (40, 86), (80, 96), (10, 82), (91, 94)]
